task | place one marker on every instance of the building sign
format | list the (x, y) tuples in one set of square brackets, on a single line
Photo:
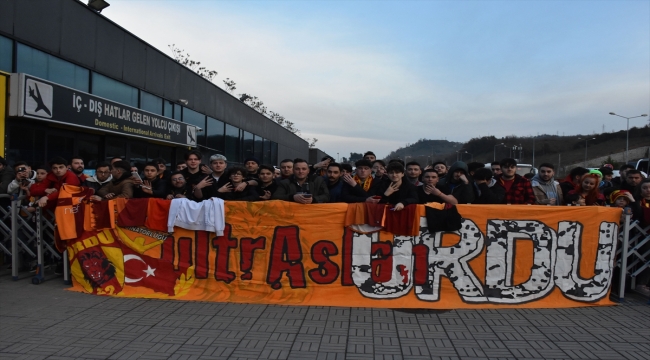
[(43, 100)]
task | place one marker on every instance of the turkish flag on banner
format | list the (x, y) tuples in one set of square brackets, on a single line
[(143, 270)]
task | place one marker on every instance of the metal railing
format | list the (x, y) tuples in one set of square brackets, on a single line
[(31, 236)]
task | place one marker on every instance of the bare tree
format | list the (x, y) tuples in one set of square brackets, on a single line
[(184, 59), (230, 85)]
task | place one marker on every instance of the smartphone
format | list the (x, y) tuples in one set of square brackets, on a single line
[(136, 175), (306, 195)]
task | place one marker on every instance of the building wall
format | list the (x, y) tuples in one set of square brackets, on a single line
[(70, 30)]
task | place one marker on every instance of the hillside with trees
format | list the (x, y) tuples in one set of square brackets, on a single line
[(558, 150)]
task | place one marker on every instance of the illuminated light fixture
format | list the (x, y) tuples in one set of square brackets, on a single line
[(98, 5), (183, 101)]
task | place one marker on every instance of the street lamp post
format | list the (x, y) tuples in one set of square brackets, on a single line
[(495, 151), (337, 157), (586, 141), (627, 142)]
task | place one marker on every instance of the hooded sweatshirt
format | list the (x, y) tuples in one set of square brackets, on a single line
[(546, 190), (464, 193), (93, 183)]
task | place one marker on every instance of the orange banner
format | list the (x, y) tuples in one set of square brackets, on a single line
[(276, 252)]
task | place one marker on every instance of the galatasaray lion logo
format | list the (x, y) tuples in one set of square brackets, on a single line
[(97, 269)]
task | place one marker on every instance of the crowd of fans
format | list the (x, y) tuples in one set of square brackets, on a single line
[(371, 180)]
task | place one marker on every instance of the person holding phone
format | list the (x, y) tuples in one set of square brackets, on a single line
[(396, 191), (151, 185), (299, 188)]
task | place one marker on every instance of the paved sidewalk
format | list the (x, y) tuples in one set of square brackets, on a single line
[(48, 322)]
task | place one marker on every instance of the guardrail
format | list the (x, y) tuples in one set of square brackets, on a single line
[(32, 237)]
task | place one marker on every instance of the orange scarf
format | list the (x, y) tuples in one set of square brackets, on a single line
[(366, 184)]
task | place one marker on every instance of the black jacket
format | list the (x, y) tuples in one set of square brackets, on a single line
[(464, 193), (289, 187), (356, 194), (158, 186), (407, 193)]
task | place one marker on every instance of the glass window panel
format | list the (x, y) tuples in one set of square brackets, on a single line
[(6, 54), (249, 145), (198, 119), (177, 112), (88, 150), (215, 134), (167, 153), (259, 145), (114, 90), (31, 61), (168, 109), (60, 146), (25, 144), (266, 158), (274, 153), (233, 144), (40, 64), (151, 103), (115, 148), (68, 74), (138, 155)]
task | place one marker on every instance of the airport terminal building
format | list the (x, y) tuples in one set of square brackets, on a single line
[(75, 83)]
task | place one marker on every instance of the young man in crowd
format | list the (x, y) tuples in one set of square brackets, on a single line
[(473, 166), (360, 187), (151, 186), (267, 186), (161, 165), (178, 188), (483, 182), (496, 168), (512, 187), (181, 166), (102, 177), (120, 187), (413, 172), (298, 188), (77, 167), (334, 183), (346, 169), (397, 191), (286, 170), (379, 169), (570, 181), (58, 176), (21, 183), (218, 165), (429, 191), (546, 189), (620, 179), (194, 173), (633, 178), (441, 168), (370, 156), (252, 165), (459, 184), (320, 169), (115, 159)]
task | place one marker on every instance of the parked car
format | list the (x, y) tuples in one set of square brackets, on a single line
[(642, 165)]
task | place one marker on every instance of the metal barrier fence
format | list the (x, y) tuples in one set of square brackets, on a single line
[(32, 235), (29, 236)]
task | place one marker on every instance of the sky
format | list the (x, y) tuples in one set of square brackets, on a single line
[(378, 75)]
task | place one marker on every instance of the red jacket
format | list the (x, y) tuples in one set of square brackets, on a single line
[(521, 191), (52, 181), (37, 189)]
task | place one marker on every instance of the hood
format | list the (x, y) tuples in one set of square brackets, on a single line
[(536, 180), (95, 180), (458, 165)]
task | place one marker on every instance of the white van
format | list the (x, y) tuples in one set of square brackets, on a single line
[(522, 169)]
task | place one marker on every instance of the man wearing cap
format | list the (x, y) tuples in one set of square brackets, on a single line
[(360, 187)]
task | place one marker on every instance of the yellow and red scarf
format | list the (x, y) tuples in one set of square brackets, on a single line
[(366, 184)]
